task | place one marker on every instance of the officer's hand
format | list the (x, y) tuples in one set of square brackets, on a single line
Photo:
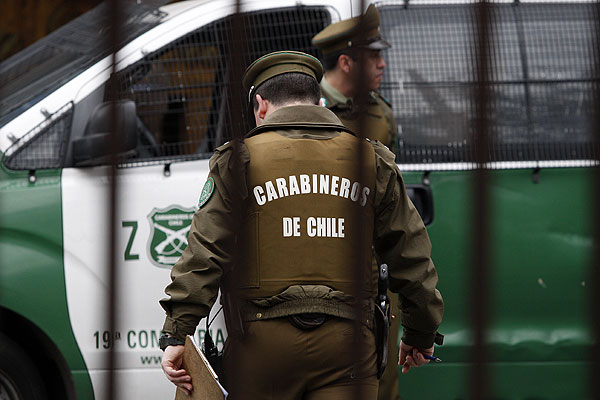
[(171, 366), (412, 357)]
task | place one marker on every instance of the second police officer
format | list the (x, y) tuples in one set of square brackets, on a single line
[(353, 61)]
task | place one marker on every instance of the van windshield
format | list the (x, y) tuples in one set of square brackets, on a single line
[(41, 68)]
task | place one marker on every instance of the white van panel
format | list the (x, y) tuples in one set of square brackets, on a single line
[(140, 282)]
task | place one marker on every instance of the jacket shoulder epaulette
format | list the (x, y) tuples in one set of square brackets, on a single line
[(224, 147), (229, 146), (383, 151)]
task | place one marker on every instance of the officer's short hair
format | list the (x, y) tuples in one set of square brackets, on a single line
[(330, 60), (288, 87)]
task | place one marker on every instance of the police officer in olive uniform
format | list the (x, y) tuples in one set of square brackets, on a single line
[(344, 44), (306, 218)]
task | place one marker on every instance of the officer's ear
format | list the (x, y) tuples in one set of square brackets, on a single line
[(345, 63), (261, 112)]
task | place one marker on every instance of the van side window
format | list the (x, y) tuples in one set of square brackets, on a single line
[(44, 146), (179, 90), (541, 87)]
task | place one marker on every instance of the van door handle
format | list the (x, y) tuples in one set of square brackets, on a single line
[(422, 198)]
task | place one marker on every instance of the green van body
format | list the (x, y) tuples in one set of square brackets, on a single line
[(34, 311), (541, 239)]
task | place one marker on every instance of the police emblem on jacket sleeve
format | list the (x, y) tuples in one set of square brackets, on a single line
[(207, 191)]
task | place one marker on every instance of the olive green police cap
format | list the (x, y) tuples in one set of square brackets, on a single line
[(277, 63), (351, 33)]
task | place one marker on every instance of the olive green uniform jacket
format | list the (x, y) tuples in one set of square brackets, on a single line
[(378, 120), (400, 238)]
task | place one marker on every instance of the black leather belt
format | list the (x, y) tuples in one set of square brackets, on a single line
[(308, 321)]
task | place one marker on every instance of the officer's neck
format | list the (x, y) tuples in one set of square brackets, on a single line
[(268, 108), (342, 82)]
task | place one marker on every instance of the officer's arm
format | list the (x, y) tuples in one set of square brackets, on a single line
[(402, 242), (394, 134), (197, 274), (391, 122)]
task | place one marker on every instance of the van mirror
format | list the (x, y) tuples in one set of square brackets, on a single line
[(422, 199), (94, 147)]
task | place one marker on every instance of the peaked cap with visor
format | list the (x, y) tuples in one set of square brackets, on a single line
[(362, 31), (278, 63)]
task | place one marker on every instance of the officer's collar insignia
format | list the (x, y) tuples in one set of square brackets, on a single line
[(207, 191), (386, 101), (324, 102)]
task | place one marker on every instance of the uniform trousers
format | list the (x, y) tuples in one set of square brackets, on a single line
[(275, 360)]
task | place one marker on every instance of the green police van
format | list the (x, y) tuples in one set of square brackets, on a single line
[(171, 76)]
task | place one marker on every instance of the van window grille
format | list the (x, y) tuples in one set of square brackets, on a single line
[(44, 146), (541, 87), (180, 90)]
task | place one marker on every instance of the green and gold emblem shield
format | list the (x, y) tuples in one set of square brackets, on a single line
[(207, 191), (169, 228)]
